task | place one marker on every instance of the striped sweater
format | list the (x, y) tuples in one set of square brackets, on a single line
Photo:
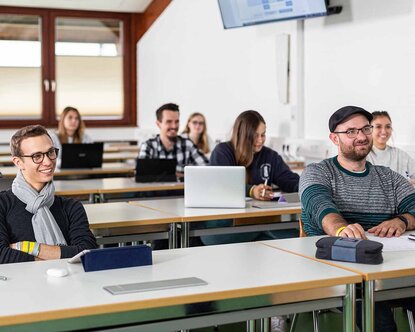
[(367, 198)]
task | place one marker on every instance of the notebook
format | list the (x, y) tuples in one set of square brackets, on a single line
[(214, 186), (156, 170), (82, 155)]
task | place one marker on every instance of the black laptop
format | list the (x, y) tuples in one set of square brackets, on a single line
[(156, 170), (80, 155)]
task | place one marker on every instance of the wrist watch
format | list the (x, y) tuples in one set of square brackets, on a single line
[(405, 221)]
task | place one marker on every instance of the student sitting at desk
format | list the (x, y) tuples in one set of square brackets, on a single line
[(169, 145), (71, 128), (264, 167), (34, 223), (346, 196), (384, 154), (196, 130)]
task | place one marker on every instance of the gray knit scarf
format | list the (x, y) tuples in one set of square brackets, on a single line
[(44, 224)]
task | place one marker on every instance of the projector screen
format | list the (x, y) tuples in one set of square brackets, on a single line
[(239, 13)]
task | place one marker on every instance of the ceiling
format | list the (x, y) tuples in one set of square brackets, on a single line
[(128, 6)]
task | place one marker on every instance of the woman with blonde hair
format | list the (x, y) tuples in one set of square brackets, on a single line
[(71, 129), (196, 131)]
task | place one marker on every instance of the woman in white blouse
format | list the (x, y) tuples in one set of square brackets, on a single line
[(384, 154)]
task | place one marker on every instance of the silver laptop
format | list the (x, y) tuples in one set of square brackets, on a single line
[(214, 186)]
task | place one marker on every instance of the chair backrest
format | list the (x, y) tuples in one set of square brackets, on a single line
[(302, 231)]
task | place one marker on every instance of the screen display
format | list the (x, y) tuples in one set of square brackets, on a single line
[(239, 13)]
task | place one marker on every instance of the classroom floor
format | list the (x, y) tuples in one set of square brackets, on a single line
[(328, 322)]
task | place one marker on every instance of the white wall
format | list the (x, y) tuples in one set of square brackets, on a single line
[(188, 58), (366, 57)]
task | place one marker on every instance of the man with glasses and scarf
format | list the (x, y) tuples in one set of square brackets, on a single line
[(34, 223), (347, 196)]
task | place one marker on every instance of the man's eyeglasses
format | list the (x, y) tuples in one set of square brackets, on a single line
[(38, 157), (200, 123), (353, 132)]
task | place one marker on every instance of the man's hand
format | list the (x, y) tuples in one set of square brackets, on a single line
[(389, 228), (353, 231)]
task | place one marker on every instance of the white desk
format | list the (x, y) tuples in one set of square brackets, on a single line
[(110, 186), (122, 222), (396, 272), (245, 281), (107, 169), (176, 207)]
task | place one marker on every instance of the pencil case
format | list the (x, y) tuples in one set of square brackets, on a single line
[(116, 258), (349, 250)]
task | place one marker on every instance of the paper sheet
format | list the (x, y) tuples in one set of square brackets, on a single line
[(401, 243)]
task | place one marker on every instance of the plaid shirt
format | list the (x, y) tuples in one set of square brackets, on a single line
[(184, 151)]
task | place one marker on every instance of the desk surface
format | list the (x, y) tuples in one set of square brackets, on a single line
[(107, 168), (123, 214), (110, 185), (396, 264), (81, 294), (176, 207)]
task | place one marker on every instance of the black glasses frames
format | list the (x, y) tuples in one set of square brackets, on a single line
[(38, 157)]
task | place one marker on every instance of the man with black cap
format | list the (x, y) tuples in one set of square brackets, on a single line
[(346, 195)]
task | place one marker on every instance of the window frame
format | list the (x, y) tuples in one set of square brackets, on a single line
[(48, 16)]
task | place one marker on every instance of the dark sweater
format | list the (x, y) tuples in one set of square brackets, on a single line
[(16, 225), (267, 163)]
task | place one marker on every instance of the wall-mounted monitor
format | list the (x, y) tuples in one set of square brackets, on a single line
[(239, 13)]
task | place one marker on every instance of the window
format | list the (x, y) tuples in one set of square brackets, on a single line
[(50, 59), (20, 74)]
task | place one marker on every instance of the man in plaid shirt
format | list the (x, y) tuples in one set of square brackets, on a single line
[(169, 145)]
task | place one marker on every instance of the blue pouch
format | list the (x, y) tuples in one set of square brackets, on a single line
[(116, 258)]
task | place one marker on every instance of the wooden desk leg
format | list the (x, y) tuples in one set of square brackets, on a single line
[(368, 306), (184, 236), (349, 308), (173, 236)]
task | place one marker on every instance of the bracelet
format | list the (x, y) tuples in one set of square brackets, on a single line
[(29, 247), (251, 191), (340, 230), (404, 220)]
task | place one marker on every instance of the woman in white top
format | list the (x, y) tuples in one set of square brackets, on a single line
[(71, 129), (384, 154), (196, 131)]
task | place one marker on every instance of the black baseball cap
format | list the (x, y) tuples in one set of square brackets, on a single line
[(343, 113)]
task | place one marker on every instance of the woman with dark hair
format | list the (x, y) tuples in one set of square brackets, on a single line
[(385, 155), (196, 131), (263, 165)]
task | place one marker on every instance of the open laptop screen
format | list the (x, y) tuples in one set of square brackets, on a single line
[(80, 155), (156, 170), (214, 186)]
